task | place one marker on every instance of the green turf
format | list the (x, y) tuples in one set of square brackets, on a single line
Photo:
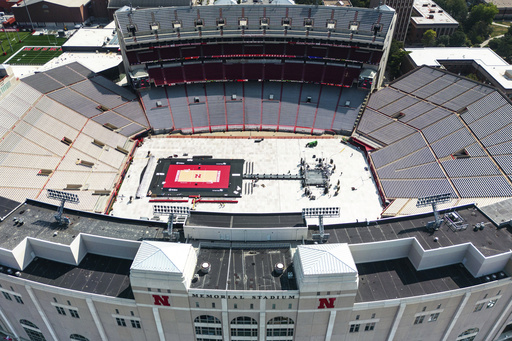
[(27, 39)]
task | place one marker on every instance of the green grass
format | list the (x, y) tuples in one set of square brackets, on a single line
[(27, 39), (498, 30)]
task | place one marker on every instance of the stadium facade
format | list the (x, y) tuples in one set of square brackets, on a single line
[(106, 278)]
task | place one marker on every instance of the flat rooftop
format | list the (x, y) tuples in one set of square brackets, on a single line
[(245, 220), (486, 58), (431, 14), (489, 241), (398, 278), (244, 269), (39, 222), (95, 274), (277, 153)]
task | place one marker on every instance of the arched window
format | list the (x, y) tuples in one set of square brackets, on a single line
[(281, 328), (245, 327), (33, 332), (78, 337), (209, 326), (468, 335)]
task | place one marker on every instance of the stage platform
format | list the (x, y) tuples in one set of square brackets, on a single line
[(200, 176)]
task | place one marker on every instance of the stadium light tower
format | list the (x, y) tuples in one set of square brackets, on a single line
[(320, 213), (434, 200), (63, 197), (178, 212)]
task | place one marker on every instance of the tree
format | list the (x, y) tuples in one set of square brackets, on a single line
[(396, 57), (429, 38), (443, 41), (503, 46), (458, 39), (478, 24)]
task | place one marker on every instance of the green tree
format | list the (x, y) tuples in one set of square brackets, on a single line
[(429, 38), (443, 41), (478, 24), (458, 39), (503, 46), (396, 57)]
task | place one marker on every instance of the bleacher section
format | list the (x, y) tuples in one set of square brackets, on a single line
[(291, 107), (56, 138), (327, 45), (440, 133)]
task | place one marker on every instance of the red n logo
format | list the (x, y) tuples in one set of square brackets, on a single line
[(326, 302), (198, 176), (161, 300)]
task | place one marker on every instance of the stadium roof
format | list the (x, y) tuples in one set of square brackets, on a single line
[(441, 133)]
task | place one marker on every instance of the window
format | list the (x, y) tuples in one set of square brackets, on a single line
[(33, 332), (468, 335), (273, 306), (369, 327), (433, 317), (439, 307), (213, 305), (373, 315), (289, 306), (251, 306), (354, 328), (18, 299), (491, 303), (419, 319), (197, 304), (235, 306), (206, 319), (208, 331), (61, 311), (7, 296), (120, 322), (135, 323), (117, 311), (77, 337), (244, 326), (357, 317), (281, 326), (478, 307), (74, 313)]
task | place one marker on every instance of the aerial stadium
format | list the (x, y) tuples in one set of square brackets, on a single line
[(256, 182)]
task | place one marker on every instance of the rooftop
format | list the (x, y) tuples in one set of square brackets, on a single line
[(399, 279), (39, 222), (244, 267), (489, 241), (431, 13), (486, 58), (95, 274)]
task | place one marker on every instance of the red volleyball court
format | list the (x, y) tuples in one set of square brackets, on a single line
[(198, 176)]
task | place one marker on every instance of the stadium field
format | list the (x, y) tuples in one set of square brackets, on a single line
[(13, 43), (34, 55)]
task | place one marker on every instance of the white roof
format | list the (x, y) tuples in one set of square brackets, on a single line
[(429, 8), (161, 256), (326, 259), (486, 58), (91, 37)]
